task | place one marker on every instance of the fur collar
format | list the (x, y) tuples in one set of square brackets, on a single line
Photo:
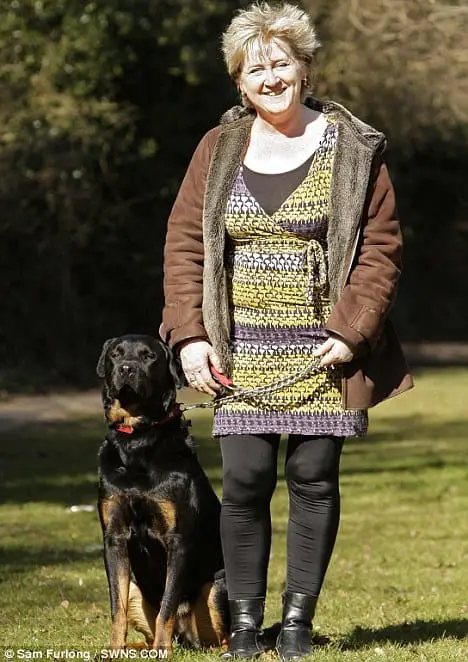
[(362, 130)]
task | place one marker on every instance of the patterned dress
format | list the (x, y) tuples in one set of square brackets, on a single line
[(277, 269)]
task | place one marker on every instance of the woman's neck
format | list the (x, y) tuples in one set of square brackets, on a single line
[(271, 150), (292, 125)]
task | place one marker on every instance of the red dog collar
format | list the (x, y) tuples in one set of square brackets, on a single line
[(125, 428), (175, 412)]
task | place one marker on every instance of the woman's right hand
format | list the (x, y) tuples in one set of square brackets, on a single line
[(196, 358)]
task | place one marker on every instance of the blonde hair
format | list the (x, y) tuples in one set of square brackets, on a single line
[(262, 22)]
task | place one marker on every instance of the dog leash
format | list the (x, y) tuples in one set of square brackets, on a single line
[(247, 394)]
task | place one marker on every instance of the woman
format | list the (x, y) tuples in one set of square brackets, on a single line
[(282, 260)]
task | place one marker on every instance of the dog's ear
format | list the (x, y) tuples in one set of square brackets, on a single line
[(175, 368), (102, 359)]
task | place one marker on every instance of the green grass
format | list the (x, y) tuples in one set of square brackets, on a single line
[(397, 587)]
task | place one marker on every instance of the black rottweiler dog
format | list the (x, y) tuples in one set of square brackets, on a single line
[(158, 511)]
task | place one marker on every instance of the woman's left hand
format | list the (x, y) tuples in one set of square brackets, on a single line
[(333, 352)]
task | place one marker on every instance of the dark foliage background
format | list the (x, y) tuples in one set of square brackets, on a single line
[(102, 106)]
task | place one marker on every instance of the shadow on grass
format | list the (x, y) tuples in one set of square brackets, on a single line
[(414, 428), (58, 463), (19, 559), (415, 632)]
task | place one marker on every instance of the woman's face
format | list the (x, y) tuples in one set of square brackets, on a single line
[(272, 80)]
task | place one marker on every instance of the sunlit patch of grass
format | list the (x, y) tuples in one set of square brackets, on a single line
[(396, 587)]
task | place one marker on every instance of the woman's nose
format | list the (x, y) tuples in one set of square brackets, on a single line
[(270, 77)]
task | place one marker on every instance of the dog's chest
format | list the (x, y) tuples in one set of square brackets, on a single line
[(141, 470), (150, 497), (134, 477), (151, 517), (147, 508)]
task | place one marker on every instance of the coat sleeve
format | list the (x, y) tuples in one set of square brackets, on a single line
[(183, 253), (370, 291)]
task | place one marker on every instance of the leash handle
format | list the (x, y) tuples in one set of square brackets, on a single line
[(222, 379)]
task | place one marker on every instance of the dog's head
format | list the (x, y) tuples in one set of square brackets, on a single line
[(140, 376)]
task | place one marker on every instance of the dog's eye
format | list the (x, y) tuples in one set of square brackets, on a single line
[(115, 354), (147, 355)]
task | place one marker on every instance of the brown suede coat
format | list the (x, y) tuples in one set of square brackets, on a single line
[(364, 252)]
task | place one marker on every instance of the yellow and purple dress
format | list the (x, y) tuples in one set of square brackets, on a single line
[(277, 268)]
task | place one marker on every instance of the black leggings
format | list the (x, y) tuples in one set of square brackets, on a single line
[(249, 479)]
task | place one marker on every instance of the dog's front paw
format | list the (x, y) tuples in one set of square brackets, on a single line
[(164, 648)]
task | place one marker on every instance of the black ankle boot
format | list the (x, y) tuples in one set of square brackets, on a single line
[(294, 639), (246, 623)]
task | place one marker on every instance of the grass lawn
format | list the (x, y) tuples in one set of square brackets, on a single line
[(397, 587)]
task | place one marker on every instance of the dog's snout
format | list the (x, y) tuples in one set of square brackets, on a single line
[(126, 370)]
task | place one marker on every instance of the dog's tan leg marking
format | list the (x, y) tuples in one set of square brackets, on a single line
[(186, 625), (117, 566), (166, 619), (119, 626), (217, 620), (168, 512), (206, 621), (104, 514), (164, 633), (105, 510), (140, 614)]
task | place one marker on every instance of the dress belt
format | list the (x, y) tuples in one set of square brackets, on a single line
[(316, 269)]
